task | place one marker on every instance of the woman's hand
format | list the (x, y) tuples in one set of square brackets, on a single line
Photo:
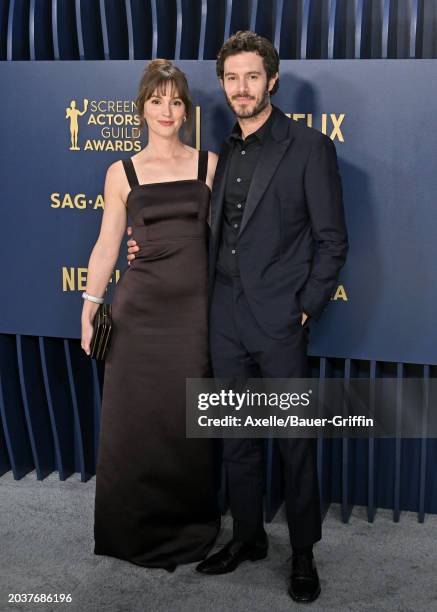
[(87, 334)]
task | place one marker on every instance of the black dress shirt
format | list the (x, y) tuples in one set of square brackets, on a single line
[(243, 159)]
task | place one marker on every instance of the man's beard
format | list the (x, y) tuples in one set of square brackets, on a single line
[(249, 114)]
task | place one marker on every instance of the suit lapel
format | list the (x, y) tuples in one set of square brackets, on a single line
[(218, 190), (273, 149)]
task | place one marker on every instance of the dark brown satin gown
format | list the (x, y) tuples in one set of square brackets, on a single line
[(156, 502)]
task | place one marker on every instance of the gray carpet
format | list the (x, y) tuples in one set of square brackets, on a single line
[(47, 547)]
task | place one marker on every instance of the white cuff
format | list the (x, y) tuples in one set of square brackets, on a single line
[(92, 298)]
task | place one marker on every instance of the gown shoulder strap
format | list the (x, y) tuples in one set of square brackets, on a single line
[(203, 166), (130, 172)]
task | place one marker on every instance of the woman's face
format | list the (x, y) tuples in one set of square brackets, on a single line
[(164, 112)]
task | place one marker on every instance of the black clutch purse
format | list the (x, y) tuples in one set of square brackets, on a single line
[(102, 332)]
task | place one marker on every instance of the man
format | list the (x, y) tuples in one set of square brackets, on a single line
[(278, 241)]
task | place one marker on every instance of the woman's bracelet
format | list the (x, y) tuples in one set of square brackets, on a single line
[(92, 298)]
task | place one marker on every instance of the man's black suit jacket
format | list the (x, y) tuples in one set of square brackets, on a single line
[(292, 240)]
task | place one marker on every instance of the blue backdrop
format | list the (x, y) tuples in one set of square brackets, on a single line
[(379, 114)]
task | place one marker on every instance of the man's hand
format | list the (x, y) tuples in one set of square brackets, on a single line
[(132, 246), (304, 317)]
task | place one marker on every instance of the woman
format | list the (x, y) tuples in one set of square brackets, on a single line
[(155, 497)]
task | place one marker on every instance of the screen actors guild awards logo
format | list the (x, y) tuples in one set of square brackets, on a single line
[(73, 114), (109, 125)]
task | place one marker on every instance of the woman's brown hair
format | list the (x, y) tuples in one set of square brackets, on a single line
[(157, 74)]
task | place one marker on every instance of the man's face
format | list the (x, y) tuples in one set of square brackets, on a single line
[(245, 84)]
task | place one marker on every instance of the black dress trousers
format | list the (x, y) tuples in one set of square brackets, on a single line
[(240, 349)]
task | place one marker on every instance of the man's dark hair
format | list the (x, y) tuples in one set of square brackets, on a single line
[(246, 41)]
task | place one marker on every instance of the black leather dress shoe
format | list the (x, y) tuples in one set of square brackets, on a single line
[(230, 557), (304, 580)]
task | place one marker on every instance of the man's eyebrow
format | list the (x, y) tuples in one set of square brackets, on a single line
[(250, 72)]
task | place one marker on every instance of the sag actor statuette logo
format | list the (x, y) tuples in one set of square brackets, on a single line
[(105, 125), (73, 113)]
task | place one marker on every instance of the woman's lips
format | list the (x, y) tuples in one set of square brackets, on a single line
[(167, 123)]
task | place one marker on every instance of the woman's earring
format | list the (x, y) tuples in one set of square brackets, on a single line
[(185, 118)]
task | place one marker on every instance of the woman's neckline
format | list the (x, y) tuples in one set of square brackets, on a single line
[(196, 180)]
